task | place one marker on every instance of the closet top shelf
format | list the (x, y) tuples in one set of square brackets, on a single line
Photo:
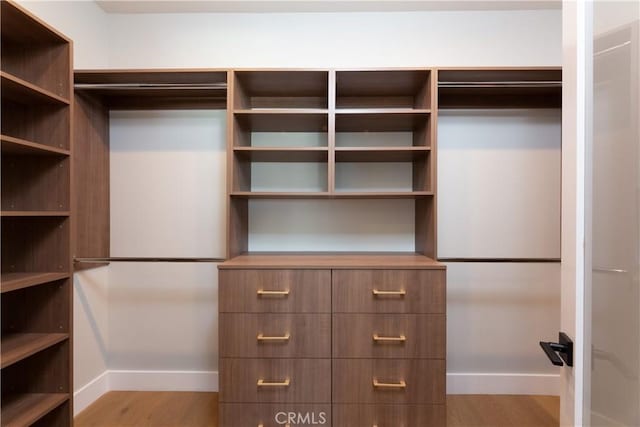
[(155, 88)]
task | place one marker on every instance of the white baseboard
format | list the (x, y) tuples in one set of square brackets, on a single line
[(90, 392), (113, 380), (163, 380), (481, 383)]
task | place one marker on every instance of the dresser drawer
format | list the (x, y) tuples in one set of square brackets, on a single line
[(389, 381), (389, 291), (399, 336), (275, 291), (275, 380), (275, 335), (274, 415), (389, 415)]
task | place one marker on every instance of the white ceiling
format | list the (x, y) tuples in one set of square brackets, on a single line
[(270, 6)]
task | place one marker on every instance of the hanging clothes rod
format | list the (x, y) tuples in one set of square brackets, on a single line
[(147, 86), (505, 84), (143, 259)]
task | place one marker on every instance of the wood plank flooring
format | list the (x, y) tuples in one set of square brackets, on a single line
[(189, 409)]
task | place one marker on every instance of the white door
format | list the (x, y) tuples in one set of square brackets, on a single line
[(601, 213)]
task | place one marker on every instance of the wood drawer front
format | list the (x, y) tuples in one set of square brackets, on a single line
[(398, 336), (309, 380), (274, 415), (309, 291), (424, 381), (424, 291), (389, 415), (275, 335)]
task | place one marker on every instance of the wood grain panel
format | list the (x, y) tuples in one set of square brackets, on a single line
[(91, 179), (39, 183), (335, 261), (309, 291), (309, 380), (273, 415), (43, 124), (49, 308), (353, 381), (425, 336), (35, 244), (353, 291), (44, 372), (389, 415), (309, 335)]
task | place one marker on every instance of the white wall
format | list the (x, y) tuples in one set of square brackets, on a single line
[(84, 22), (336, 39)]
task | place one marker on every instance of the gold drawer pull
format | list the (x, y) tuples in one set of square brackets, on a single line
[(267, 293), (399, 338), (286, 425), (285, 337), (400, 293), (263, 383), (399, 384)]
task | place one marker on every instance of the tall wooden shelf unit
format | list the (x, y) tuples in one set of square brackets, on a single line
[(36, 346), (284, 341), (333, 105)]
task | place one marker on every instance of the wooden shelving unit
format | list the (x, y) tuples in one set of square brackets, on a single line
[(36, 349), (356, 119)]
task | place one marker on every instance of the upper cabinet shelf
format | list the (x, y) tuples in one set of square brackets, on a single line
[(23, 92), (500, 88), (384, 89), (281, 121), (155, 89), (387, 121), (281, 89), (33, 56)]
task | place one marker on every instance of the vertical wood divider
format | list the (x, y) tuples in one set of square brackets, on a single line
[(433, 158), (72, 227), (331, 133)]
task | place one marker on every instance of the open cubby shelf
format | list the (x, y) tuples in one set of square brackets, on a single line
[(16, 347), (17, 146), (27, 408), (15, 281), (35, 271), (21, 91), (328, 132)]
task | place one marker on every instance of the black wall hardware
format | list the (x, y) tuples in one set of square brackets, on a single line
[(559, 351)]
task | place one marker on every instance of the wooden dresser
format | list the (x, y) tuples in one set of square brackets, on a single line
[(335, 340)]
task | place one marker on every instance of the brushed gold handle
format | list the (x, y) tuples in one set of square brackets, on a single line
[(285, 337), (272, 293), (399, 384), (399, 338), (263, 383), (399, 293)]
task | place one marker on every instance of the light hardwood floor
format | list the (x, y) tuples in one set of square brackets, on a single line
[(187, 409)]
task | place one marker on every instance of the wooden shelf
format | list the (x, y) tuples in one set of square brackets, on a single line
[(23, 92), (25, 409), (334, 195), (343, 260), (139, 89), (281, 88), (14, 281), (282, 154), (407, 88), (34, 213), (500, 88), (381, 154), (16, 347), (285, 120), (18, 146), (21, 26), (387, 120)]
